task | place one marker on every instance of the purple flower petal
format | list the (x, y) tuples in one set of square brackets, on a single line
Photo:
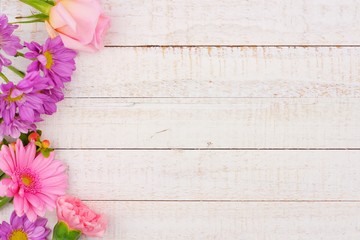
[(9, 43), (34, 230), (4, 62), (53, 59)]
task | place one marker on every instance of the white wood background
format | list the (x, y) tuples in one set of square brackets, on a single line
[(208, 119)]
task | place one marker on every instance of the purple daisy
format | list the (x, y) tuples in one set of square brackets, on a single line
[(22, 228), (55, 60), (8, 42), (24, 99), (54, 96), (16, 127)]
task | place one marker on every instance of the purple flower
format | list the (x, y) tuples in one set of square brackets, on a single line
[(24, 99), (22, 228), (53, 59), (9, 43), (4, 62), (54, 96), (16, 127)]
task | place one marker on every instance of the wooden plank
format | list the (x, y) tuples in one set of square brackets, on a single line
[(217, 72), (205, 123), (213, 175), (231, 220), (226, 22)]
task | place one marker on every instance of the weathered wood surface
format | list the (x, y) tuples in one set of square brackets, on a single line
[(213, 175), (229, 220), (218, 72), (205, 123), (226, 22), (211, 139)]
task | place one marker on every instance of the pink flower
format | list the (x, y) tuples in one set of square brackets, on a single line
[(81, 24), (80, 217), (35, 181)]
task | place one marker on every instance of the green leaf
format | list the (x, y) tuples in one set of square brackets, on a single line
[(62, 232), (50, 2), (38, 144), (43, 6), (24, 138), (74, 234), (3, 142), (46, 152), (2, 175), (39, 132)]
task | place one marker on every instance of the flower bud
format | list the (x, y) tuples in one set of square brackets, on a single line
[(33, 136), (45, 144)]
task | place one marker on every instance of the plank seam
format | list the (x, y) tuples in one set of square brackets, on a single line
[(230, 201), (213, 149), (194, 98), (234, 46)]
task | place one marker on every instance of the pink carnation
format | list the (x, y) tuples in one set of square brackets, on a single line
[(80, 217)]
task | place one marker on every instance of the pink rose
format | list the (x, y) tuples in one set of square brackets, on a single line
[(80, 217), (81, 24)]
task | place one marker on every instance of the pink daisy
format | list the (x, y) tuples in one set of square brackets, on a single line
[(35, 181)]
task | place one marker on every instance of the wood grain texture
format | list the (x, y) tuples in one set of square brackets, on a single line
[(230, 220), (213, 175), (271, 221), (205, 123), (226, 22), (218, 72), (159, 138)]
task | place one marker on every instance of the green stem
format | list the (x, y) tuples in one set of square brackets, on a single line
[(30, 21), (17, 71), (19, 54), (40, 5), (3, 175), (4, 201), (4, 77), (37, 16)]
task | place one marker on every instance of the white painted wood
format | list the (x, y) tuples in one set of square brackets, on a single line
[(226, 22), (205, 123), (229, 220), (213, 175), (216, 72), (216, 97), (270, 221)]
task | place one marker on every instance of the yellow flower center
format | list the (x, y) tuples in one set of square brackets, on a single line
[(26, 180), (49, 59), (18, 98), (18, 235)]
